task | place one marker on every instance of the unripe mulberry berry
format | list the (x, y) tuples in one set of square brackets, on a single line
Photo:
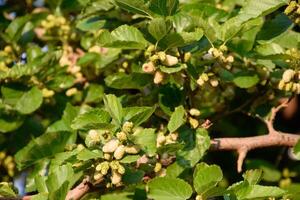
[(98, 176), (121, 169), (288, 75), (170, 61), (187, 56), (281, 85), (194, 112), (121, 136), (200, 81), (127, 127), (157, 167), (162, 56), (119, 152), (115, 178), (110, 146), (133, 149), (214, 82), (193, 122), (149, 67), (158, 77)]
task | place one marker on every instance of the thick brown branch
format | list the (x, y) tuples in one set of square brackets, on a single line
[(245, 144)]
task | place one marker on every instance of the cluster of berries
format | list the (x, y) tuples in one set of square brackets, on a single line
[(160, 58), (6, 58), (208, 77), (8, 165), (219, 54), (293, 11), (288, 83), (114, 149), (56, 26)]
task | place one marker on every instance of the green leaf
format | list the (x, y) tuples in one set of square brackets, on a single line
[(177, 119), (206, 177), (124, 37), (90, 24), (134, 6), (258, 191), (15, 28), (246, 81), (128, 81), (163, 188), (30, 101), (196, 144), (146, 138), (296, 150), (253, 176), (119, 196), (44, 146), (174, 170), (114, 107), (133, 176), (164, 7), (58, 177), (158, 28), (94, 93), (6, 190), (95, 118), (138, 115), (10, 122), (86, 154)]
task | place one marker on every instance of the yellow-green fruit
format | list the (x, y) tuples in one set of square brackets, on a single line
[(193, 122), (161, 139), (199, 197), (170, 61), (114, 165), (127, 127), (162, 56), (288, 87), (214, 82), (151, 48), (187, 56), (290, 8), (121, 136), (281, 85), (158, 77), (194, 112), (157, 167), (119, 152), (121, 169), (116, 178), (200, 81), (110, 146), (132, 149), (94, 136), (98, 176), (288, 75), (204, 77)]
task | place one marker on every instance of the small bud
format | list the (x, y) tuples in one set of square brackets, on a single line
[(151, 48), (121, 169), (204, 77), (158, 77), (194, 112), (223, 48), (127, 127), (162, 56), (288, 87), (230, 59), (94, 136), (187, 56), (71, 92), (115, 178), (148, 67), (200, 81), (288, 75), (174, 136), (170, 60), (121, 136), (157, 167), (98, 176), (107, 156), (119, 152), (193, 122), (110, 146), (47, 93), (133, 149), (214, 82), (161, 139), (281, 85), (114, 164)]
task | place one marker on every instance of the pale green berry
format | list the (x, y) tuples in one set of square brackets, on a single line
[(170, 61), (132, 149), (157, 167), (121, 136), (127, 127), (194, 112), (288, 75)]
